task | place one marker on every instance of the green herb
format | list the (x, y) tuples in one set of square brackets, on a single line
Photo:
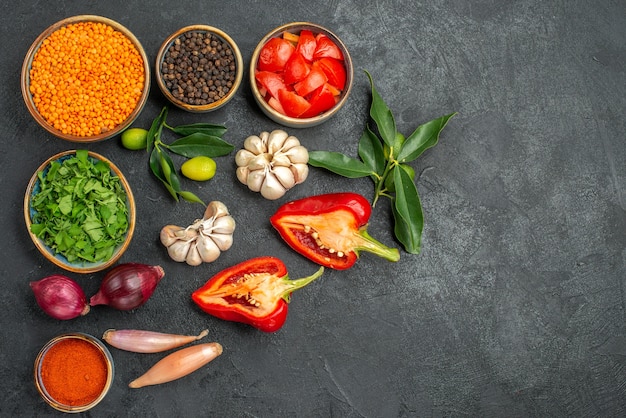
[(384, 155), (198, 139), (80, 209)]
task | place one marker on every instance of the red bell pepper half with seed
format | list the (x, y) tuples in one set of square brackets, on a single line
[(330, 229), (254, 292)]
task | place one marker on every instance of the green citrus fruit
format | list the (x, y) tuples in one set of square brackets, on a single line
[(199, 168), (135, 138), (389, 181)]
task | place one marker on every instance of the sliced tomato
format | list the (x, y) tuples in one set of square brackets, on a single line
[(275, 54), (321, 100), (293, 104), (270, 81), (306, 44), (316, 78), (326, 48), (275, 104), (334, 70), (334, 90), (296, 68)]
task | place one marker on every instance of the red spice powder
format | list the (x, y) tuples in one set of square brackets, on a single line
[(74, 372)]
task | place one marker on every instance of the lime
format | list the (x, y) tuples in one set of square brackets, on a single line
[(199, 168), (389, 182), (135, 138)]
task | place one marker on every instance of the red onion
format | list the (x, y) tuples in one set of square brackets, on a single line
[(60, 297), (128, 286)]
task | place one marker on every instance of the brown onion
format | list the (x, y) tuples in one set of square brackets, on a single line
[(178, 364), (128, 286), (60, 297)]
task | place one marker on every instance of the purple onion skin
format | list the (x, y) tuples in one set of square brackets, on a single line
[(128, 286), (60, 297)]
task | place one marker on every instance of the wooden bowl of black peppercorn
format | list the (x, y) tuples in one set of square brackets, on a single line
[(199, 68)]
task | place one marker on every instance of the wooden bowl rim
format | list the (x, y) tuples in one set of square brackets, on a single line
[(30, 55)]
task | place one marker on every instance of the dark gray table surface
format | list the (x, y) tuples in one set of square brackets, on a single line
[(515, 306)]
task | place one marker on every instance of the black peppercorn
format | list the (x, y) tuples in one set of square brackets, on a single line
[(199, 68)]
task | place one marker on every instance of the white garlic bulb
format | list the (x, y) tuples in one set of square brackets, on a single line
[(202, 241), (272, 163)]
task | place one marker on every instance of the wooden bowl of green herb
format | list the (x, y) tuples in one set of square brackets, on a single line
[(80, 211)]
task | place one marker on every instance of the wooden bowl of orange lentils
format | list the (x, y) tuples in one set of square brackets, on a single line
[(85, 78)]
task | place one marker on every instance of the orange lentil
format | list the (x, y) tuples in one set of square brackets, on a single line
[(86, 78)]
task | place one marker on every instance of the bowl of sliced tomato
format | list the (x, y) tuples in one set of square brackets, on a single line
[(301, 74)]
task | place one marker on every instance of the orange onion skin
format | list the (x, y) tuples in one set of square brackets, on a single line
[(128, 286), (60, 297)]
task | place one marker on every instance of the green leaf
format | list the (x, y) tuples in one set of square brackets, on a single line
[(339, 164), (371, 152), (424, 137), (199, 143), (204, 128), (155, 166), (169, 171), (190, 197), (407, 211), (382, 116), (154, 133)]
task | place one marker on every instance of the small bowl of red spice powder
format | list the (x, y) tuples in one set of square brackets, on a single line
[(199, 68), (85, 78), (73, 372)]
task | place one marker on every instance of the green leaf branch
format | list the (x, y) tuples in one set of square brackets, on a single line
[(384, 156), (197, 139)]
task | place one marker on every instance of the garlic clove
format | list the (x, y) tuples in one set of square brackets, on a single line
[(281, 159), (290, 142), (255, 180), (271, 188), (276, 140), (223, 241), (243, 156), (264, 136), (242, 174), (168, 234), (259, 162), (178, 250), (193, 256), (300, 172), (297, 155), (215, 209), (255, 145), (223, 225), (208, 249), (285, 176)]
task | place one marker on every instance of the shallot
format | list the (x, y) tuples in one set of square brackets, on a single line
[(128, 286), (178, 364), (139, 341), (60, 297)]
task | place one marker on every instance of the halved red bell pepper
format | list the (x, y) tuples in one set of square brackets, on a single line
[(330, 229), (255, 292)]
